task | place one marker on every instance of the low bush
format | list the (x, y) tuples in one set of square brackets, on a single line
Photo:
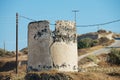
[(86, 43), (103, 40), (114, 56)]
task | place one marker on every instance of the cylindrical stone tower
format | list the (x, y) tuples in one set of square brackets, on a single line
[(64, 47), (39, 37)]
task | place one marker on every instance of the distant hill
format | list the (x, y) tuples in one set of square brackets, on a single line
[(4, 53), (97, 35), (24, 50)]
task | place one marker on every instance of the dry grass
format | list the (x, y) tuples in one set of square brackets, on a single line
[(74, 75), (88, 50)]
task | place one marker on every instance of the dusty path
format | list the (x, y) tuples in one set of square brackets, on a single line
[(107, 49), (102, 69), (20, 58)]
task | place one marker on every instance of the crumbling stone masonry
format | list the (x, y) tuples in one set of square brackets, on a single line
[(38, 46), (52, 51), (64, 47)]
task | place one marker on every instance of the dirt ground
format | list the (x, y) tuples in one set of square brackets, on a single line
[(7, 72)]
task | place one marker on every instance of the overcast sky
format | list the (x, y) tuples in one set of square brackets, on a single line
[(90, 12)]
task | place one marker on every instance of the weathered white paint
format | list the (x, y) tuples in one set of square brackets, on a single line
[(38, 46), (64, 48)]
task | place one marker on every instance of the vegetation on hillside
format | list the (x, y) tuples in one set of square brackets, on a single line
[(86, 43), (87, 59), (114, 56), (4, 53)]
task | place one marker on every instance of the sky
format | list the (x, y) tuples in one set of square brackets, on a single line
[(90, 12)]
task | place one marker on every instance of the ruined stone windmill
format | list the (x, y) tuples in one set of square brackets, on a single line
[(52, 50)]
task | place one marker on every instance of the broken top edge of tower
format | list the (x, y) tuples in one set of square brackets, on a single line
[(58, 21), (67, 21), (40, 21)]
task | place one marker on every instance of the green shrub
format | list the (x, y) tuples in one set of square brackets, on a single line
[(94, 43), (114, 56), (86, 43)]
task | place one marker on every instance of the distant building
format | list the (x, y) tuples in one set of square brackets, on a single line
[(107, 34), (97, 35)]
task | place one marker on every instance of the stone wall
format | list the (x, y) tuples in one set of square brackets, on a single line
[(109, 35), (64, 47), (39, 37)]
